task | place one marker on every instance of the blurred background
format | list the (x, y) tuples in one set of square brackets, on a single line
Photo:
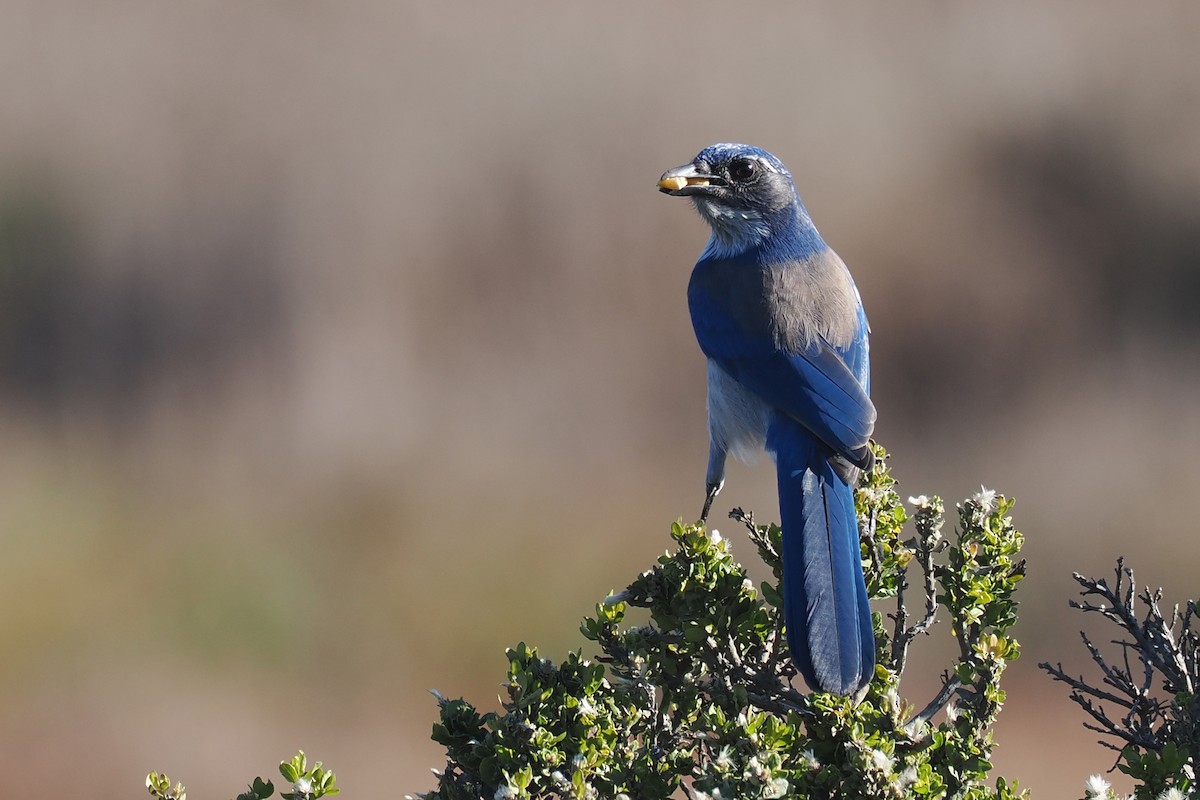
[(342, 346)]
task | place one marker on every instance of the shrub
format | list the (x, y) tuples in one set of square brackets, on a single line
[(1153, 687), (692, 689)]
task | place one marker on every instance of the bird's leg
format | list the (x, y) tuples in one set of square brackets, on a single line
[(708, 499), (715, 477)]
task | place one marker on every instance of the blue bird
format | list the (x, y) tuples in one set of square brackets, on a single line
[(782, 325)]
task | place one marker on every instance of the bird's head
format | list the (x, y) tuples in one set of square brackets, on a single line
[(744, 193)]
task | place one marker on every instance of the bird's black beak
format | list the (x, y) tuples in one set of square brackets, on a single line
[(687, 180)]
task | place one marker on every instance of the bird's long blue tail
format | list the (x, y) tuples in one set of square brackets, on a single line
[(826, 610)]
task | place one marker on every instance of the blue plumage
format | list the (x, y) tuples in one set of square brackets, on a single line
[(780, 320)]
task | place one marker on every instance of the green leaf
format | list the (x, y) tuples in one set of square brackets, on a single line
[(771, 594)]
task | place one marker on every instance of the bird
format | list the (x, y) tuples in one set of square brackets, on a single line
[(781, 323)]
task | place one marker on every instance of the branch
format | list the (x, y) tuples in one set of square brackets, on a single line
[(935, 705), (925, 544)]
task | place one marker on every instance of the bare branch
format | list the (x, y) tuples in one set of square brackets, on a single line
[(935, 705), (1162, 650)]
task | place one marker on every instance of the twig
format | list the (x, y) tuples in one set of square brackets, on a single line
[(935, 705), (1156, 646)]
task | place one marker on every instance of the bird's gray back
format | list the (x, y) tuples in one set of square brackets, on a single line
[(811, 299)]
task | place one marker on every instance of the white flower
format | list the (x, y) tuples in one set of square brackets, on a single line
[(723, 760), (504, 792), (951, 713), (756, 771), (586, 709), (920, 501), (882, 761), (714, 536), (808, 759), (907, 778), (748, 587), (1095, 786), (986, 498), (303, 785), (1172, 794)]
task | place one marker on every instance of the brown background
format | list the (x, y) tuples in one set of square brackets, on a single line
[(343, 345)]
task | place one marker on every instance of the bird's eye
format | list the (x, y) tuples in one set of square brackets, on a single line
[(742, 169)]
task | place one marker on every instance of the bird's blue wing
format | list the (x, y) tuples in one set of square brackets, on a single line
[(814, 386)]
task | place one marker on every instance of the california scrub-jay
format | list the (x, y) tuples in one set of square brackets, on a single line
[(780, 320)]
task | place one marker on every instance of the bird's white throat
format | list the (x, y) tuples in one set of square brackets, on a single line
[(733, 230)]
